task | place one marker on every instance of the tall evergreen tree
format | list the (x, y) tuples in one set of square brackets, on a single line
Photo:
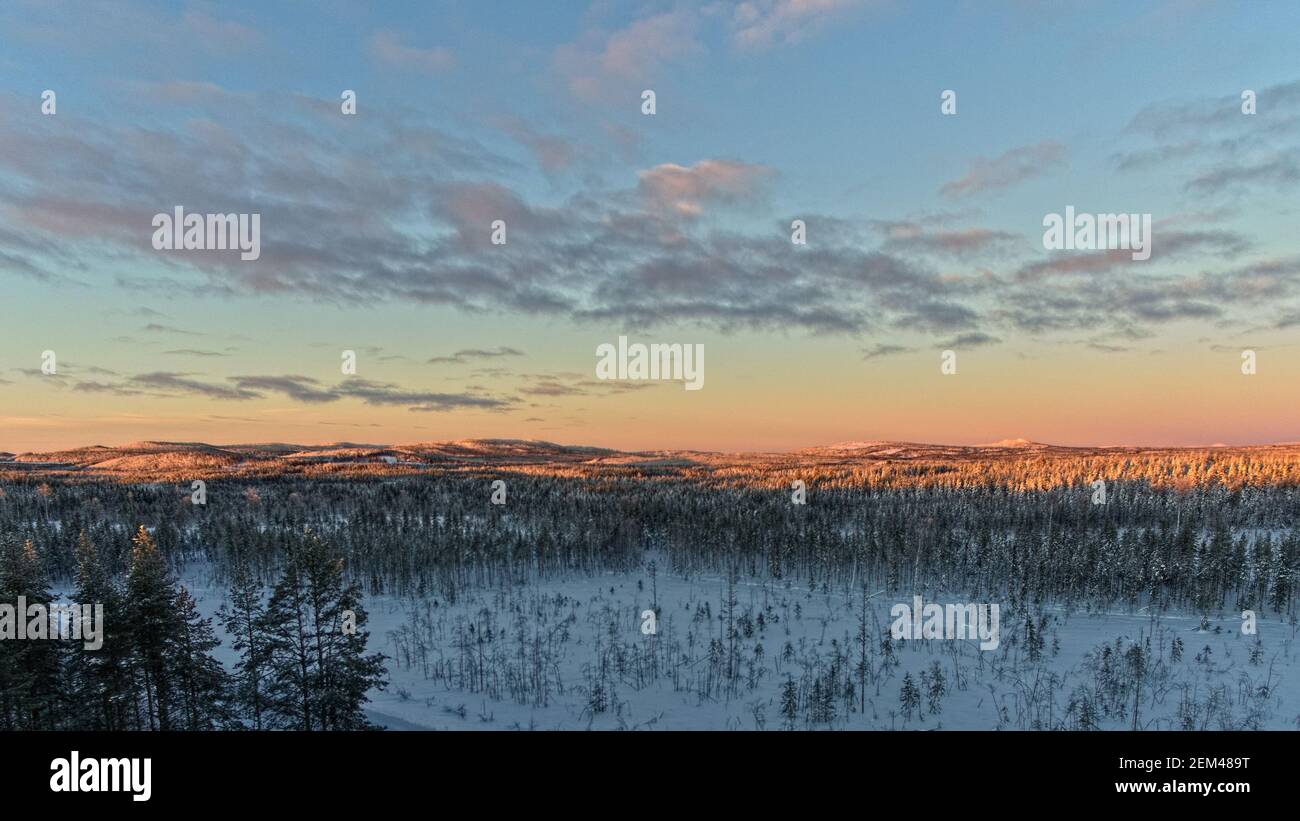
[(31, 671), (242, 618), (319, 670), (201, 684), (101, 677), (150, 613)]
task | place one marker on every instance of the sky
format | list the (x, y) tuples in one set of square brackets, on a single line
[(924, 229)]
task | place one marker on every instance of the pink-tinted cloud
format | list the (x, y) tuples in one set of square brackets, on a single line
[(758, 24), (602, 66), (675, 189), (387, 47), (1013, 166)]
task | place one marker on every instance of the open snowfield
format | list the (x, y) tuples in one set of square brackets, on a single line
[(571, 654)]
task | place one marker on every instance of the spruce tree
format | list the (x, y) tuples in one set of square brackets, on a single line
[(790, 702), (936, 688), (152, 620), (908, 696), (320, 672), (31, 672), (201, 683), (285, 625), (242, 617), (101, 677)]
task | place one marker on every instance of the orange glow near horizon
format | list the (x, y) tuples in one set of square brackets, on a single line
[(769, 400)]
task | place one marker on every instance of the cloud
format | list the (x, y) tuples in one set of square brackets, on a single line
[(545, 386), (187, 92), (1159, 155), (975, 339), (1166, 245), (158, 328), (106, 387), (181, 383), (468, 354), (554, 154), (225, 34), (759, 24), (94, 27), (934, 315), (1130, 305), (1195, 117), (1280, 171), (303, 389), (299, 388), (379, 393), (685, 191), (307, 390), (1013, 166), (1226, 151), (387, 47), (400, 213), (882, 350), (603, 66), (1107, 348), (913, 238), (193, 352), (569, 384), (1290, 319)]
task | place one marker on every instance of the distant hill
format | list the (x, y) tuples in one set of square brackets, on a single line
[(158, 461)]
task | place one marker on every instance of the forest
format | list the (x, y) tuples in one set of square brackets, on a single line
[(767, 601)]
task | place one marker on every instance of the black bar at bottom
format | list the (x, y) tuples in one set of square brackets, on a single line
[(368, 771)]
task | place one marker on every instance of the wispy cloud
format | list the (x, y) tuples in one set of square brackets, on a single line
[(759, 24), (603, 65), (302, 389), (882, 350), (470, 354), (1012, 166), (387, 47), (193, 352)]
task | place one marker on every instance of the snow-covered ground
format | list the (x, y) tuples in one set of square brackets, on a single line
[(571, 654)]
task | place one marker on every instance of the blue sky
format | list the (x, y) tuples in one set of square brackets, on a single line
[(924, 229)]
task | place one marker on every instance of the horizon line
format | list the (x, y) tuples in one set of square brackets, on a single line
[(848, 444)]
